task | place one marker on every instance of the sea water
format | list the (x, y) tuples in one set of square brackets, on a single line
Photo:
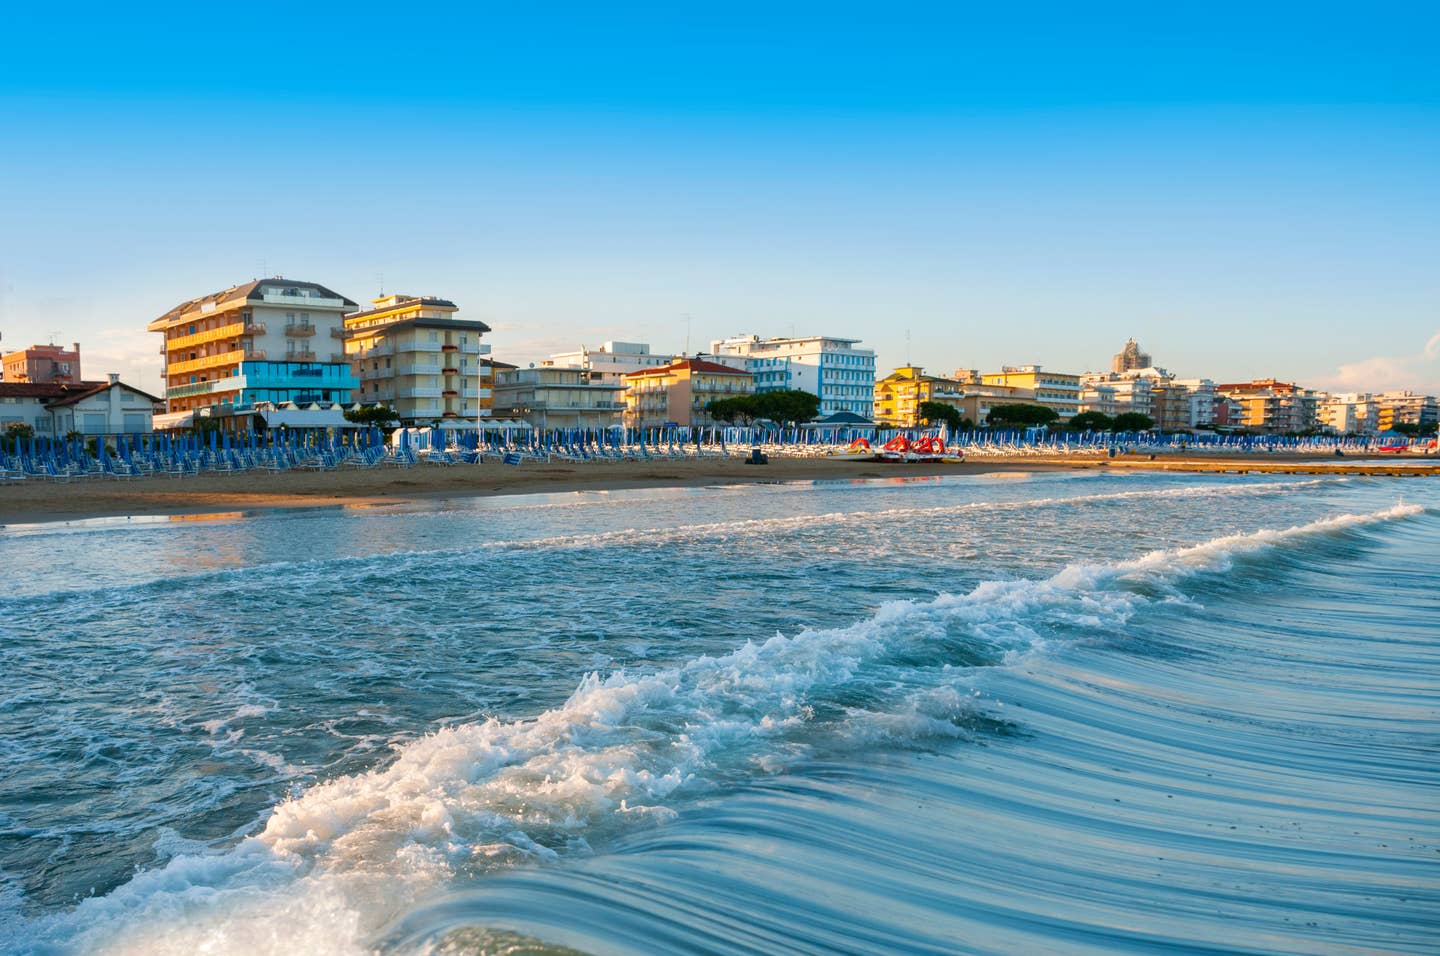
[(1064, 712)]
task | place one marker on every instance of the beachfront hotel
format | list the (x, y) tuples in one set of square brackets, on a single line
[(898, 396), (270, 340), (1057, 391), (40, 364), (679, 393), (827, 366), (1271, 406), (553, 397), (611, 361), (412, 354)]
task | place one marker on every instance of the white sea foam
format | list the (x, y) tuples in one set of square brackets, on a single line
[(631, 537), (333, 862)]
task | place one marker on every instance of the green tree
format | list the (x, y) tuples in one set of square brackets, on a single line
[(788, 406), (373, 416), (203, 426), (1133, 422), (730, 410), (934, 413), (1090, 422), (15, 432), (1020, 415)]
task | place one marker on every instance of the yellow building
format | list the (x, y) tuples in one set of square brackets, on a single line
[(898, 396), (412, 354), (1056, 391)]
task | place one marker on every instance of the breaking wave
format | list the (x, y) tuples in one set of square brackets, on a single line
[(624, 751)]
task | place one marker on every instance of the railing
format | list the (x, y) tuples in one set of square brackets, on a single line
[(418, 392), (417, 369), (298, 356), (212, 361), (233, 383), (568, 407), (337, 332), (340, 357), (233, 330), (299, 329), (315, 300)]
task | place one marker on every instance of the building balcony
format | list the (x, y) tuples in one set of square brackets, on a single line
[(296, 356), (339, 358), (231, 384), (231, 331), (417, 370), (418, 392), (337, 332), (449, 348), (297, 330), (565, 406), (218, 360)]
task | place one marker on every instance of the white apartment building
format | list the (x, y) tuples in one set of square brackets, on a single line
[(1200, 400), (1111, 394), (831, 367), (554, 397), (1406, 407), (1353, 413), (609, 363), (412, 354)]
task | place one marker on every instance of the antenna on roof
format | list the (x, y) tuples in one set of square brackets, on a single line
[(688, 317), (907, 346), (380, 280)]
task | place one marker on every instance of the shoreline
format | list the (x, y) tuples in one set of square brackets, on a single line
[(33, 502)]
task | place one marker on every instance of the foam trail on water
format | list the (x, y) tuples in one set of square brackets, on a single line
[(331, 864), (654, 537)]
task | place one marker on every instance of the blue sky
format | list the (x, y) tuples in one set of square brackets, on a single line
[(1249, 190)]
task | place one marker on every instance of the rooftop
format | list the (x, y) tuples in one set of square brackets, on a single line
[(252, 291), (693, 365)]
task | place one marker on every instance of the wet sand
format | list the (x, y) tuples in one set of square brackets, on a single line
[(35, 501)]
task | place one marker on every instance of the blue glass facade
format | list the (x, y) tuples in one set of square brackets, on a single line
[(299, 382)]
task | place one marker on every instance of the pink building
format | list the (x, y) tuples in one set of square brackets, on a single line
[(43, 364)]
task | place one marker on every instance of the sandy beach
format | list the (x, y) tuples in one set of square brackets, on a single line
[(33, 501), (37, 501)]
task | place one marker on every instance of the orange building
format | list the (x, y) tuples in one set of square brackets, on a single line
[(677, 394), (43, 364)]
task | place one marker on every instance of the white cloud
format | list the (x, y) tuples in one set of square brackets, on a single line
[(1418, 373), (134, 353)]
